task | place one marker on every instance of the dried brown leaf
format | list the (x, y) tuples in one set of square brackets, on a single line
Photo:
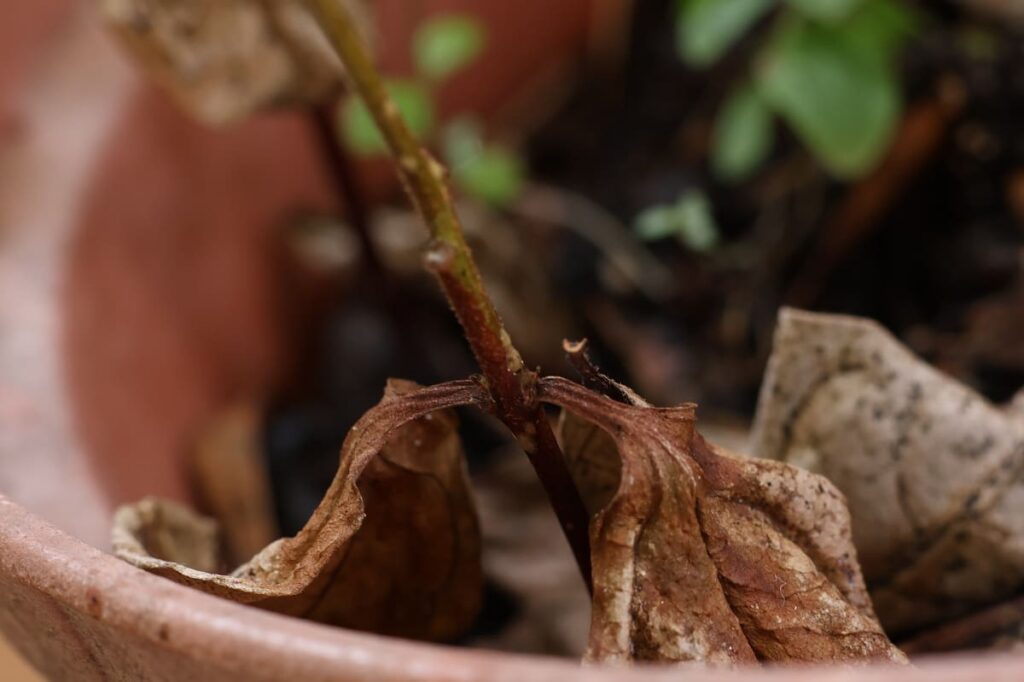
[(231, 478), (932, 472), (702, 555), (592, 458), (398, 553), (225, 59)]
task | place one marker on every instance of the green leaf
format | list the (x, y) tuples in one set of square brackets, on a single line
[(706, 29), (657, 222), (689, 220), (491, 173), (829, 11), (743, 135), (879, 28), (495, 176), (462, 140), (835, 89), (359, 130), (444, 44)]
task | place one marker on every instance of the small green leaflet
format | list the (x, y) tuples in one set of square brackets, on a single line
[(444, 44), (706, 29), (879, 28), (829, 11), (689, 220), (835, 85), (359, 130), (491, 173), (495, 176), (742, 137)]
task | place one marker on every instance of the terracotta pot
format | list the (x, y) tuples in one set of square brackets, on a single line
[(139, 290), (79, 614)]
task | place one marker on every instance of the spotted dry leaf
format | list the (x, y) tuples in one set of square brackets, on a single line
[(225, 59), (393, 548), (933, 473), (702, 555)]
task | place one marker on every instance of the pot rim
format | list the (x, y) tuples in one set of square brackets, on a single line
[(201, 627)]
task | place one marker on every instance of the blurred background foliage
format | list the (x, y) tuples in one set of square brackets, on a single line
[(441, 46)]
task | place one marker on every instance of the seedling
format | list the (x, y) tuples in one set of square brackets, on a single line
[(827, 68)]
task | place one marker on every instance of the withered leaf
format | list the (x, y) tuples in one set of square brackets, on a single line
[(226, 59), (702, 555), (933, 473), (592, 459), (393, 548), (231, 479)]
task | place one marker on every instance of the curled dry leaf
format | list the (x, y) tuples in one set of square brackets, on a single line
[(590, 454), (592, 459), (225, 59), (702, 555), (230, 476), (932, 472), (393, 548)]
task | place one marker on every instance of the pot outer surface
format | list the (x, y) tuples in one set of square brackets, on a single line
[(80, 614)]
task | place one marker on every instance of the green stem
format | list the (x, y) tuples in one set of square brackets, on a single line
[(449, 257)]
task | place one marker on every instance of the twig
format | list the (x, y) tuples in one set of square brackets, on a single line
[(346, 184), (510, 383), (594, 378), (380, 281)]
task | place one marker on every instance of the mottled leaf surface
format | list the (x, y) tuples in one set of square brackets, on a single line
[(226, 59), (932, 471), (702, 555)]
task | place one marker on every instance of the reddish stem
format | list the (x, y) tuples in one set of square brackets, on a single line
[(510, 383)]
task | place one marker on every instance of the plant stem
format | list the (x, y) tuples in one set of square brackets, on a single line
[(345, 182), (510, 383)]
